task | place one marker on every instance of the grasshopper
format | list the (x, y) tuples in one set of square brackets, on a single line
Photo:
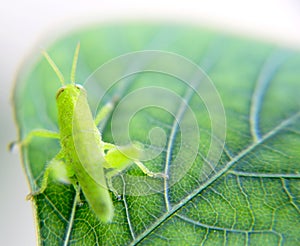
[(83, 155)]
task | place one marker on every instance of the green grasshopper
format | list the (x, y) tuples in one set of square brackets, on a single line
[(83, 155)]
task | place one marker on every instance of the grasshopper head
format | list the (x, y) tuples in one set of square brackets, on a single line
[(71, 90), (68, 96)]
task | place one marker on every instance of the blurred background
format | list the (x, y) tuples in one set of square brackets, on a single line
[(24, 24)]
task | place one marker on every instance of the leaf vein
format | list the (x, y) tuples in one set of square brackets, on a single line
[(126, 209), (290, 196), (265, 175), (270, 67), (196, 223)]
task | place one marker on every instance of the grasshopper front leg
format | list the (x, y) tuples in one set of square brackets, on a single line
[(35, 133)]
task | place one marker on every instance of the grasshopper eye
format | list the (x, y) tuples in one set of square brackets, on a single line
[(60, 91), (80, 87)]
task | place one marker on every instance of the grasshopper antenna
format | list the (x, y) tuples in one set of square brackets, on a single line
[(54, 67), (74, 65)]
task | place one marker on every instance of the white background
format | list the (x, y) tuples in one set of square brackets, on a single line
[(24, 23)]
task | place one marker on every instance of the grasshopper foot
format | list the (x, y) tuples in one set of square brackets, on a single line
[(30, 196)]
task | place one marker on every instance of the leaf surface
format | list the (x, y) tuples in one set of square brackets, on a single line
[(249, 197)]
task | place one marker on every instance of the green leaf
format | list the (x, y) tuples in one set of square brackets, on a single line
[(250, 196)]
